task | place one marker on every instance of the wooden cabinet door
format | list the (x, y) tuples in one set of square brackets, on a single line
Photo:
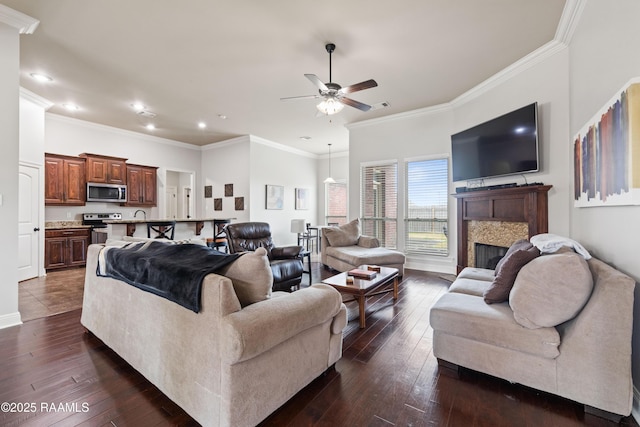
[(117, 172), (53, 180), (55, 249), (65, 180), (96, 170), (149, 183), (105, 169), (134, 185), (141, 185), (77, 247), (75, 182)]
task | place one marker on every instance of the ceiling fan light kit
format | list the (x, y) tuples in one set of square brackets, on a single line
[(330, 106), (332, 94)]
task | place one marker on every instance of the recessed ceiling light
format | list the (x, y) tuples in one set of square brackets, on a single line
[(202, 125), (138, 106), (70, 107), (222, 116), (150, 126), (305, 138), (41, 77)]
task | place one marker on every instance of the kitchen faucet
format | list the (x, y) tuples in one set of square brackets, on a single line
[(135, 214)]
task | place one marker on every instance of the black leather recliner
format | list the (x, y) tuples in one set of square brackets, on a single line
[(286, 262)]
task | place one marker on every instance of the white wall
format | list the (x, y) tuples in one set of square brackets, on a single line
[(9, 125), (227, 163), (603, 57), (276, 165), (428, 132)]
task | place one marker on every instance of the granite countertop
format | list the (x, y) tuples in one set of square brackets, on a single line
[(51, 225), (152, 220)]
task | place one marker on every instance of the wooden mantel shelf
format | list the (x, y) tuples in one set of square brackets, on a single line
[(527, 203)]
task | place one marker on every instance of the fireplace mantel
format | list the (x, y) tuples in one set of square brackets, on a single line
[(527, 204)]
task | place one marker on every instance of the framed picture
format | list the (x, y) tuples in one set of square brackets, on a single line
[(302, 198), (217, 204), (274, 196), (239, 203), (228, 190)]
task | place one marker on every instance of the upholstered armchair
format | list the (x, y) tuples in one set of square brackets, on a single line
[(286, 261)]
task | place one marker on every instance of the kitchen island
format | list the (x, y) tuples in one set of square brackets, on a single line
[(185, 228)]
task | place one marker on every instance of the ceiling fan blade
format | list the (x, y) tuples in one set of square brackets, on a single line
[(359, 86), (295, 98), (316, 81), (356, 104)]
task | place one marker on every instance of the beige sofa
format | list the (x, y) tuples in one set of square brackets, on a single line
[(585, 358), (234, 362), (344, 248)]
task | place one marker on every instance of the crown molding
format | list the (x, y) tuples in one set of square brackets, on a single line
[(23, 23), (569, 20), (425, 111), (118, 131), (35, 98), (537, 56), (281, 147), (226, 143)]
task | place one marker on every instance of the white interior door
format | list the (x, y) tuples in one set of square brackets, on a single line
[(28, 222), (172, 202)]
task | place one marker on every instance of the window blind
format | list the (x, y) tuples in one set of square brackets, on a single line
[(379, 202), (427, 207)]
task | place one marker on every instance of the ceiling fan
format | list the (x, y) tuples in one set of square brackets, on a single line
[(333, 94)]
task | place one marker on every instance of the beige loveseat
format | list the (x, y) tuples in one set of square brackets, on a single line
[(235, 361), (344, 248), (577, 338)]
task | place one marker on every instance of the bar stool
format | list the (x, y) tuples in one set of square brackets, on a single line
[(162, 228), (219, 235)]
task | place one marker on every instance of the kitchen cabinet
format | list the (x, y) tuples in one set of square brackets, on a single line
[(105, 169), (66, 247), (65, 180), (141, 185)]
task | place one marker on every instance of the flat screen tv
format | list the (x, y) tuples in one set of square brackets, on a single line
[(506, 145)]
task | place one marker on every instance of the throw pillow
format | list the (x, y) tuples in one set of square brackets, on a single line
[(550, 290), (517, 245), (251, 276), (345, 235), (504, 280)]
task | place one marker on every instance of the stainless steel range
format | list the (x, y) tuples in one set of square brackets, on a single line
[(96, 221)]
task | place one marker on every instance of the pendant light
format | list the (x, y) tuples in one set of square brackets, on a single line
[(329, 180)]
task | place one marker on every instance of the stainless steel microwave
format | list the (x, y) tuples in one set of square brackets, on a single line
[(106, 192)]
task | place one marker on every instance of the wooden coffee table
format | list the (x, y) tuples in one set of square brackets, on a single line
[(362, 288)]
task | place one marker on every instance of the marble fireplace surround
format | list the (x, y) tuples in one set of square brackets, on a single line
[(499, 217)]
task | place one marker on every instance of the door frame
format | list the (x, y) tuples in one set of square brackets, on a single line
[(41, 213)]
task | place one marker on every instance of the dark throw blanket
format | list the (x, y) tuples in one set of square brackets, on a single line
[(172, 271)]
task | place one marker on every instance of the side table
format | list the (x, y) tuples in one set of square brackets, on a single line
[(306, 254)]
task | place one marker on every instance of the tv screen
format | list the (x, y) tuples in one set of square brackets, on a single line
[(506, 145)]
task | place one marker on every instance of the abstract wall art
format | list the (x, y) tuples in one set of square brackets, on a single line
[(607, 153)]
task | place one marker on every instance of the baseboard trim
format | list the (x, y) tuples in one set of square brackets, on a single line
[(635, 407), (12, 319)]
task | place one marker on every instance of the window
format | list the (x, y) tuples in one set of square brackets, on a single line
[(379, 203), (427, 212), (336, 206)]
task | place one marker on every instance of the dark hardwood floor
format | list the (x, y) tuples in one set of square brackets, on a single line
[(387, 375)]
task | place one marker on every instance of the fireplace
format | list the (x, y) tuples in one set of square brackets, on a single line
[(487, 256), (499, 217)]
